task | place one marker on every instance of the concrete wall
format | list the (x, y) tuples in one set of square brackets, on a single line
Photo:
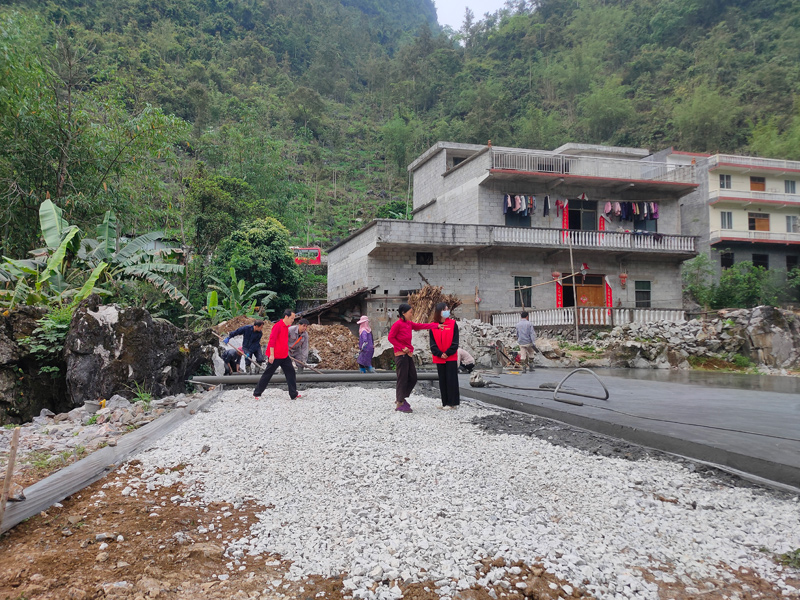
[(493, 270), (347, 264)]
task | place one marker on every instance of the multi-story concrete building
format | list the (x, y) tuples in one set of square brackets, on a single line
[(744, 209), (616, 210)]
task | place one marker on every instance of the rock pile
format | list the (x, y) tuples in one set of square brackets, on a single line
[(765, 335), (436, 500), (52, 440)]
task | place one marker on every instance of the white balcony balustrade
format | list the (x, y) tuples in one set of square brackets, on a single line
[(590, 315), (589, 166)]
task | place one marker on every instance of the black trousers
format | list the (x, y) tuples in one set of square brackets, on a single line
[(448, 383), (406, 376), (288, 369)]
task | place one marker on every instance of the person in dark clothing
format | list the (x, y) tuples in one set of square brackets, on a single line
[(444, 348), (278, 352), (231, 358), (251, 340)]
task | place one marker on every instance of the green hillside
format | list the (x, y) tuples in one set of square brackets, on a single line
[(317, 106)]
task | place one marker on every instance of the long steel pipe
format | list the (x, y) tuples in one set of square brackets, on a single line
[(332, 377)]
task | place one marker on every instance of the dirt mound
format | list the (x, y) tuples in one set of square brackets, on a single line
[(336, 346), (236, 322)]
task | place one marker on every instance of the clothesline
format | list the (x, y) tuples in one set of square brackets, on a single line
[(527, 287)]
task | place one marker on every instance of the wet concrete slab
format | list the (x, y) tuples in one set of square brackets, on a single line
[(747, 423)]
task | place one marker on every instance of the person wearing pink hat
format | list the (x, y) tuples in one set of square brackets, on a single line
[(366, 345)]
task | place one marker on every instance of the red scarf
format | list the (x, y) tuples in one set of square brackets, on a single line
[(443, 338)]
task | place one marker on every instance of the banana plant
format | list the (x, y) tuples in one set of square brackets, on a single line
[(238, 299), (139, 258)]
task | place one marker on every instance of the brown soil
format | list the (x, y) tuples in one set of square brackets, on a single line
[(336, 345), (56, 555)]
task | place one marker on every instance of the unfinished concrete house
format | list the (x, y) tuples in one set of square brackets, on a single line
[(505, 229)]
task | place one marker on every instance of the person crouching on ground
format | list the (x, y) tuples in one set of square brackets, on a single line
[(278, 352), (444, 348), (366, 345), (465, 361), (400, 339), (231, 358), (298, 343), (251, 340)]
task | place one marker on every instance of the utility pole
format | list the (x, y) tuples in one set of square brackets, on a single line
[(574, 288)]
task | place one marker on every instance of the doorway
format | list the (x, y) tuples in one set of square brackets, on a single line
[(586, 290)]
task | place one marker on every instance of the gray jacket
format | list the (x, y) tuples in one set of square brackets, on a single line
[(526, 335), (298, 349)]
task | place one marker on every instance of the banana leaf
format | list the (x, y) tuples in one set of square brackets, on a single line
[(88, 287), (52, 223)]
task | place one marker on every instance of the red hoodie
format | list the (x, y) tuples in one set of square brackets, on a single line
[(400, 334), (279, 339)]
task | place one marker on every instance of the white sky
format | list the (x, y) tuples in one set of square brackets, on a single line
[(451, 12)]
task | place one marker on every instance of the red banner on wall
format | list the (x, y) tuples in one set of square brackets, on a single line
[(559, 295), (609, 295), (565, 220)]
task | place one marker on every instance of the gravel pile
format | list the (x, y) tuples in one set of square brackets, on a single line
[(350, 486)]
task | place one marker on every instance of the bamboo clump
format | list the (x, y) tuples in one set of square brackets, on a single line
[(424, 301)]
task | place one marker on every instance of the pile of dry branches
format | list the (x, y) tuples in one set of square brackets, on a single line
[(424, 301)]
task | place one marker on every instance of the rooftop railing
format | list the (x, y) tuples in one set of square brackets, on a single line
[(589, 166), (748, 195), (752, 236), (753, 162), (590, 315)]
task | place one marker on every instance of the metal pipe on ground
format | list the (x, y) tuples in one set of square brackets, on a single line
[(334, 377)]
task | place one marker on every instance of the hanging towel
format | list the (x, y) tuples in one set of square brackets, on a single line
[(559, 206), (655, 210), (516, 203), (617, 209), (546, 206), (532, 203), (506, 203), (607, 208)]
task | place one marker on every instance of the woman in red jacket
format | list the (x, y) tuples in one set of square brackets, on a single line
[(400, 339), (444, 348)]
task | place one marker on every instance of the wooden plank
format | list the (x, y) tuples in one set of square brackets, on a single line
[(72, 479)]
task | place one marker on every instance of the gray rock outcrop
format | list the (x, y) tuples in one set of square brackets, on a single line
[(24, 391), (111, 350)]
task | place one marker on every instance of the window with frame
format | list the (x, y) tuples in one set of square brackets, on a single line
[(643, 293), (646, 225), (725, 182), (424, 258), (726, 260), (761, 260), (727, 219), (790, 186), (792, 224), (792, 262), (758, 184), (522, 291), (757, 222)]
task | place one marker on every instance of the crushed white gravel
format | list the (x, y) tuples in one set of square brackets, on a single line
[(351, 486)]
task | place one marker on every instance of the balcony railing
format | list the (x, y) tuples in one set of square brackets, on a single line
[(591, 315), (589, 166), (753, 162), (751, 236), (593, 239), (754, 196)]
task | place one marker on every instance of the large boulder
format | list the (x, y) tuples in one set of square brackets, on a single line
[(24, 391), (112, 350)]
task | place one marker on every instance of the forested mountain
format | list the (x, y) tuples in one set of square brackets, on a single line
[(309, 110)]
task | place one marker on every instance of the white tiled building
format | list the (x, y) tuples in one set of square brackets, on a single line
[(746, 208)]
